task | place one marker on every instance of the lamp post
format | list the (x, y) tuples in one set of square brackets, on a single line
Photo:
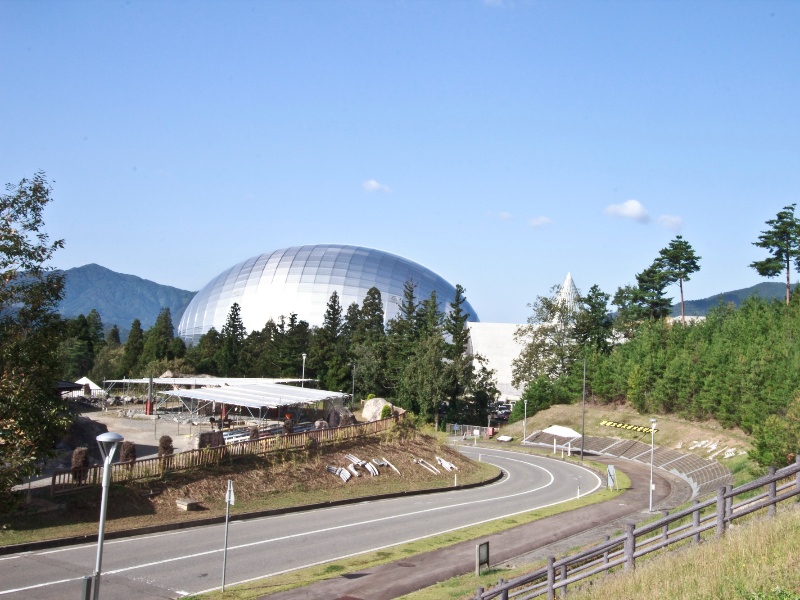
[(353, 392), (652, 447), (303, 380), (525, 422), (108, 443)]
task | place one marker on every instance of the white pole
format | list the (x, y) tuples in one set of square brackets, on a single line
[(107, 458), (525, 423), (303, 381), (652, 447), (228, 501)]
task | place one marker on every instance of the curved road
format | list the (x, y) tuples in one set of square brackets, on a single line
[(170, 565)]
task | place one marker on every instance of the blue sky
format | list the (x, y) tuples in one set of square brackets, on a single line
[(499, 143)]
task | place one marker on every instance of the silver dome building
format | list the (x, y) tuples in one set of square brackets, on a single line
[(301, 280)]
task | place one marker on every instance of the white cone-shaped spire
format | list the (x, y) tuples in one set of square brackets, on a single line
[(568, 294)]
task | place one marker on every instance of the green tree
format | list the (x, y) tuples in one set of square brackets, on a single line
[(76, 349), (232, 340), (778, 438), (328, 354), (372, 315), (594, 324), (132, 355), (548, 340), (782, 240), (32, 414), (158, 340), (652, 284), (94, 325), (112, 337), (679, 261)]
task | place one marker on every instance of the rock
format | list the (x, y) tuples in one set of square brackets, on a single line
[(373, 408)]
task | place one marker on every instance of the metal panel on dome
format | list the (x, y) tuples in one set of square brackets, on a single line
[(301, 280)]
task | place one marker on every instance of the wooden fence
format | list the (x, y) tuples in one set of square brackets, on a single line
[(686, 525), (68, 481)]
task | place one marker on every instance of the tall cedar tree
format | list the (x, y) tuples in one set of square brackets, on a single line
[(679, 261), (782, 240), (132, 355), (401, 336), (233, 335), (32, 414), (328, 354), (158, 340), (76, 349), (368, 346)]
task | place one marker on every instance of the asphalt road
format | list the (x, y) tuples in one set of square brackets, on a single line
[(174, 564)]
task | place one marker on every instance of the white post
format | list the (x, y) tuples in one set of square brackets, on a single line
[(303, 380), (229, 499), (652, 448), (525, 422), (108, 443)]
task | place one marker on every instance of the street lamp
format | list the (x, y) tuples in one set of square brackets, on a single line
[(652, 447), (303, 380), (108, 443)]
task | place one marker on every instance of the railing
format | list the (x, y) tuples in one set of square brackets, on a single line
[(686, 525), (68, 481)]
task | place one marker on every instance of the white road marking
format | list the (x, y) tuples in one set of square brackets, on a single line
[(315, 532)]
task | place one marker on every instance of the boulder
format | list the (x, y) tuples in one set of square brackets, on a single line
[(373, 408)]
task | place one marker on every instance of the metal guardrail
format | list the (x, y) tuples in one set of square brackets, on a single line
[(685, 525), (68, 480)]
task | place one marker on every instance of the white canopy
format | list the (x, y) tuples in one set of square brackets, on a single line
[(256, 395), (561, 431)]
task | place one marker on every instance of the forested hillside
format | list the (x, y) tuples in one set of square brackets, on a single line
[(119, 298)]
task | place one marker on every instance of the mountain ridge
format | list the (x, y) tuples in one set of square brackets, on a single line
[(120, 298)]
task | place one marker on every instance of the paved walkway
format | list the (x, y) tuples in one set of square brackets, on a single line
[(517, 546)]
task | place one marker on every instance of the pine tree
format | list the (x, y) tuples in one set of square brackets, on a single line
[(132, 355), (782, 240), (594, 324), (679, 261), (232, 340)]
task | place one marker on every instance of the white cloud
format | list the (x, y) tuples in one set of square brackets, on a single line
[(671, 222), (630, 209), (370, 186), (540, 221), (504, 216)]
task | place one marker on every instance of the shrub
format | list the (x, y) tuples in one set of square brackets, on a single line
[(80, 464), (127, 453), (165, 447), (386, 411)]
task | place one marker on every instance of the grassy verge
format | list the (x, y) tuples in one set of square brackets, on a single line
[(759, 560), (303, 577)]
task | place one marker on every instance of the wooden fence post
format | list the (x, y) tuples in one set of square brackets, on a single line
[(665, 527), (551, 577), (772, 492), (729, 502), (630, 547), (696, 521), (479, 593), (563, 578), (797, 476), (720, 512), (605, 554), (504, 593)]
